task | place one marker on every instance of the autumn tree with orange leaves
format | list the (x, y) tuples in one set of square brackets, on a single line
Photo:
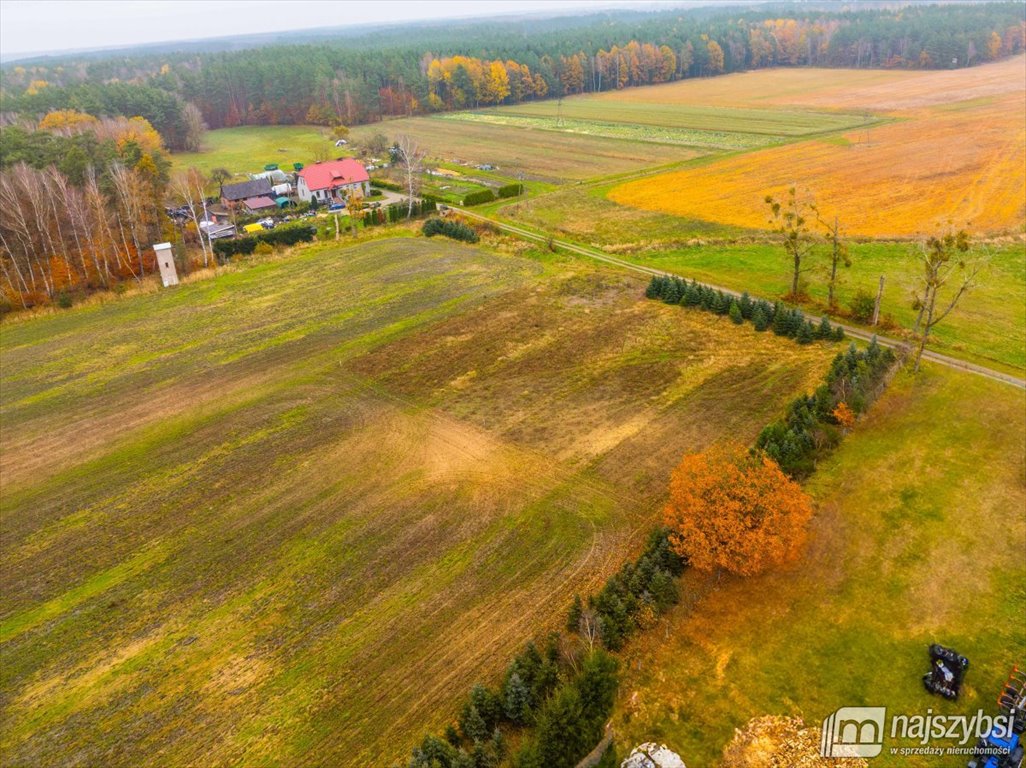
[(735, 510)]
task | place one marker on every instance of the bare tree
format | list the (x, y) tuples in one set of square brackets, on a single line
[(410, 157), (790, 218), (838, 252), (188, 187), (942, 257)]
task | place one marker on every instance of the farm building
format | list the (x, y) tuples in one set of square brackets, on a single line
[(235, 194), (260, 203), (331, 181)]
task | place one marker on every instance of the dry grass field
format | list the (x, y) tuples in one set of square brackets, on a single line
[(537, 154), (852, 90), (959, 160), (288, 515), (911, 544)]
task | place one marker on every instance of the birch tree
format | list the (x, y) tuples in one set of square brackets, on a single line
[(947, 270), (410, 157)]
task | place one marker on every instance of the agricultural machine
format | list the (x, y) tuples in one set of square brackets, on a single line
[(947, 670), (1005, 750)]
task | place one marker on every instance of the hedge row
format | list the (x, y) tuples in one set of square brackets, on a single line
[(782, 320), (814, 424), (395, 186), (243, 246), (479, 196), (452, 229), (632, 598), (397, 212), (510, 190), (563, 699)]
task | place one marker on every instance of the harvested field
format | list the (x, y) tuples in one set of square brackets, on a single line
[(348, 484), (537, 154), (832, 89), (962, 165)]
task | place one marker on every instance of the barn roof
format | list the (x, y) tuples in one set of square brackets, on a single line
[(244, 189)]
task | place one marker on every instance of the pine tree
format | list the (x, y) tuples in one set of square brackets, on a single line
[(735, 313), (806, 333), (651, 292), (722, 303), (759, 318), (795, 324), (573, 618), (825, 330), (747, 306), (838, 333), (472, 723), (517, 705), (781, 321), (692, 295)]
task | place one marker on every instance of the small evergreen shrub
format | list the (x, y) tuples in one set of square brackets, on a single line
[(451, 229), (862, 305)]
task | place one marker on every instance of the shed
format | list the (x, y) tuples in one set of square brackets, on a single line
[(259, 203)]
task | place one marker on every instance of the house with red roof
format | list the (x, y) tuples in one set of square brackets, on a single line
[(332, 181)]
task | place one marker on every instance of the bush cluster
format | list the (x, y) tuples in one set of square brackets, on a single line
[(451, 229), (782, 320), (563, 693), (510, 190), (632, 597), (243, 246), (478, 196), (397, 212), (810, 428)]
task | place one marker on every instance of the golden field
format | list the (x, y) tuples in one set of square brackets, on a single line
[(960, 159)]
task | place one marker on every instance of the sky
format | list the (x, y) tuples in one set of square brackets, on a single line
[(50, 26)]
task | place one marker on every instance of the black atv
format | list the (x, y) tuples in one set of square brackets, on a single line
[(947, 670)]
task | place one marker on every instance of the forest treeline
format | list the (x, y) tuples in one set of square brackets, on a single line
[(359, 79), (82, 200)]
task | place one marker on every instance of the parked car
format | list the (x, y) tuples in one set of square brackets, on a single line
[(267, 223), (336, 207), (341, 143)]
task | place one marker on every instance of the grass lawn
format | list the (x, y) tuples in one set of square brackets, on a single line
[(248, 149), (912, 544), (289, 514)]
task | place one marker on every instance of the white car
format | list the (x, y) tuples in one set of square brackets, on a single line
[(341, 143)]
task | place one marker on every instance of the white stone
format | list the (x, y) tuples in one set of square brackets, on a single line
[(652, 755)]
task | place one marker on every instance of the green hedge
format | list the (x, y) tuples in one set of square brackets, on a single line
[(478, 197), (395, 186), (809, 429), (452, 229), (511, 190), (243, 246)]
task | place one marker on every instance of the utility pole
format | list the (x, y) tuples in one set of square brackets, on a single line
[(879, 297)]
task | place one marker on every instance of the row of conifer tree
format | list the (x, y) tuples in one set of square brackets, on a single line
[(782, 320)]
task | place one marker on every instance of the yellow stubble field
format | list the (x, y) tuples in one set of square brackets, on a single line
[(954, 153)]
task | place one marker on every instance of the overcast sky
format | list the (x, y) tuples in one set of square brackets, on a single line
[(46, 26)]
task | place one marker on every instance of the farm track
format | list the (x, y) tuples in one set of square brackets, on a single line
[(858, 333)]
